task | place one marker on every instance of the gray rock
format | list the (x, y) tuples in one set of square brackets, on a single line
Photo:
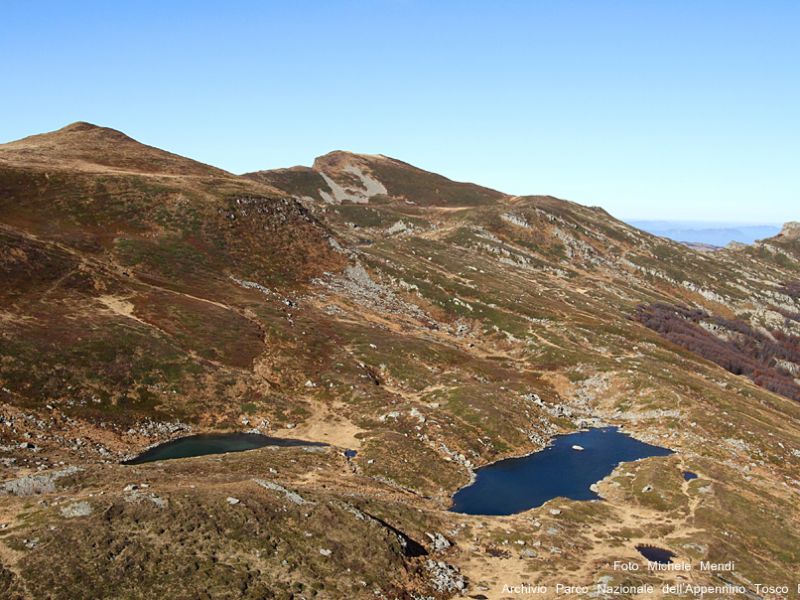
[(158, 501), (76, 509), (445, 577), (290, 495), (35, 484), (438, 541), (791, 230)]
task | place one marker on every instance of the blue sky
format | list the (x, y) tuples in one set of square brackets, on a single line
[(675, 110)]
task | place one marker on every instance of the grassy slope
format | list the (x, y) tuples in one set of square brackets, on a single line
[(119, 310)]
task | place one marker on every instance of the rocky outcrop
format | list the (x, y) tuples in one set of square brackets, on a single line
[(348, 178), (357, 283), (36, 484), (445, 577), (290, 495), (790, 231), (439, 543), (76, 509)]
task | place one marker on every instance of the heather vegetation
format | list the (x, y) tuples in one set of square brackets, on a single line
[(791, 288), (731, 343), (418, 326)]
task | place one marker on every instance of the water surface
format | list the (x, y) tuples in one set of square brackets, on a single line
[(213, 443), (656, 555), (516, 484)]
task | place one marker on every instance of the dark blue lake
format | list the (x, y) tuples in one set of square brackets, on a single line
[(220, 443), (655, 554), (516, 484)]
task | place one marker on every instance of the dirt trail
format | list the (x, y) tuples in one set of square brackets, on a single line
[(326, 424), (122, 307)]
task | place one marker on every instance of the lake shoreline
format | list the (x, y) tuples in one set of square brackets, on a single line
[(568, 469)]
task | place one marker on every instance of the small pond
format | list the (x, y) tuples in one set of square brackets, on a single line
[(656, 555), (566, 468), (213, 443), (688, 475)]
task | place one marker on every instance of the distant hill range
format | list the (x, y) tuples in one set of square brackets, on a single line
[(708, 233)]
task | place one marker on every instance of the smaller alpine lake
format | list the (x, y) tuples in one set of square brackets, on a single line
[(566, 468), (219, 443)]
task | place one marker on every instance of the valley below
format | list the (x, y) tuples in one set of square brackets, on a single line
[(414, 329)]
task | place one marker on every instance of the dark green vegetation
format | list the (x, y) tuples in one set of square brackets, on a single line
[(430, 325)]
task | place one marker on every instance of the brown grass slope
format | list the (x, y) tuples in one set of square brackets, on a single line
[(430, 325), (87, 147)]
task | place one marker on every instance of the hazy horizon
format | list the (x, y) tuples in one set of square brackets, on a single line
[(698, 224), (715, 233)]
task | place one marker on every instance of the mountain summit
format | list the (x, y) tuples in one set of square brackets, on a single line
[(87, 147), (359, 178)]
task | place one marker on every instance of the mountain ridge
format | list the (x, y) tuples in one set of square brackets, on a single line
[(430, 326), (96, 137)]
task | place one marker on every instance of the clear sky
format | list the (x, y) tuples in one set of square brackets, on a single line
[(651, 109)]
